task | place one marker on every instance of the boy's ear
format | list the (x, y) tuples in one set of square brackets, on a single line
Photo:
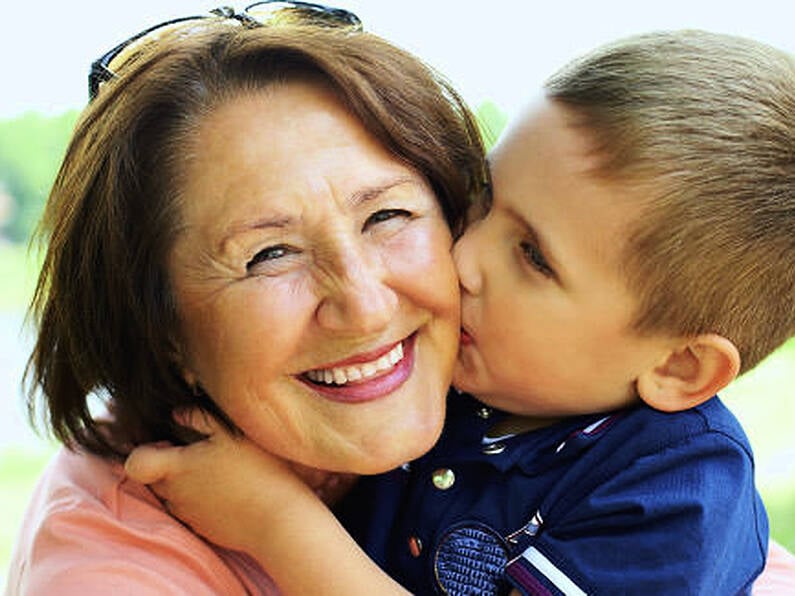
[(690, 374)]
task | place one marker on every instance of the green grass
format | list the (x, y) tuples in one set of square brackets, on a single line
[(19, 469), (764, 401), (780, 506)]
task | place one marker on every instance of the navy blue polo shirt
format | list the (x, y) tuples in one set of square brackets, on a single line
[(638, 501)]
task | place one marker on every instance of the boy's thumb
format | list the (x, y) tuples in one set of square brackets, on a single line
[(150, 463)]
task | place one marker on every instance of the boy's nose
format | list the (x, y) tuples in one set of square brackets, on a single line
[(465, 254)]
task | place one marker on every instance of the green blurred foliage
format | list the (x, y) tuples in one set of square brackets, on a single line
[(18, 270), (492, 121), (31, 148), (19, 469)]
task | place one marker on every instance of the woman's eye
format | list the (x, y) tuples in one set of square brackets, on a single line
[(535, 258), (385, 215), (271, 253)]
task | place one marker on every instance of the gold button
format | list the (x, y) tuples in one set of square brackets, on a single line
[(443, 478), (494, 449), (415, 546)]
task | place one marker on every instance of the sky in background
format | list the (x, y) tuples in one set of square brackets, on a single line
[(499, 50)]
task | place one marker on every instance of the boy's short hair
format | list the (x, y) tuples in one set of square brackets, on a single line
[(704, 124)]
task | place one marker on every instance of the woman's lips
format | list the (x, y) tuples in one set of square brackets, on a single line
[(465, 338), (365, 377), (362, 357)]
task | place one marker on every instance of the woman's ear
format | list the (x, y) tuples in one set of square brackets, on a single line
[(690, 374), (179, 361)]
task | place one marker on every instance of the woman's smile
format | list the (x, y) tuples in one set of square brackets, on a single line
[(366, 376)]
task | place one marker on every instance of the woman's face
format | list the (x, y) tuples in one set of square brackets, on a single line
[(316, 292)]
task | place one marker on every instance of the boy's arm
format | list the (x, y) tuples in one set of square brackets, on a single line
[(240, 497), (686, 519)]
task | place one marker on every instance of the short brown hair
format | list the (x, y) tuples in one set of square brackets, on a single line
[(106, 315), (704, 124)]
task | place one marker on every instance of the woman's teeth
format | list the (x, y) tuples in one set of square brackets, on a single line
[(356, 372)]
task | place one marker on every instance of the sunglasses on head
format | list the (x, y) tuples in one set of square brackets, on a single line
[(268, 12)]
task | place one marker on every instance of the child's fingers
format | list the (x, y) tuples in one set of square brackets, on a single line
[(198, 419), (150, 463)]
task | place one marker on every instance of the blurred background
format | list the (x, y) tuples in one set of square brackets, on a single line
[(497, 54)]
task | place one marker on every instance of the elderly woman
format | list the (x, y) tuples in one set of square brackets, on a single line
[(256, 220)]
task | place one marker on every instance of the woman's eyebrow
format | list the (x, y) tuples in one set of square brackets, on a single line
[(373, 192), (274, 221)]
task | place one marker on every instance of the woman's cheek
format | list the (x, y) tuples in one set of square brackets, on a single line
[(423, 259)]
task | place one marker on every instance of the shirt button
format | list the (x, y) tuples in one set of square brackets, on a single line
[(484, 412), (493, 449), (415, 546), (443, 478)]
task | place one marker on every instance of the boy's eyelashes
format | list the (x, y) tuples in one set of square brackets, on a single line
[(535, 258)]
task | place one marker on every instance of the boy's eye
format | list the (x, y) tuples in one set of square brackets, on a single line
[(385, 215), (535, 258), (270, 253)]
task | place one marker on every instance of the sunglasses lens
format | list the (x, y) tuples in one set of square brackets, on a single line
[(299, 13)]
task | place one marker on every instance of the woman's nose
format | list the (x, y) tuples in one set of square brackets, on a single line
[(358, 298), (465, 255)]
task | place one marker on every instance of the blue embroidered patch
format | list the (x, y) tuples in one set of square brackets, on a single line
[(471, 559)]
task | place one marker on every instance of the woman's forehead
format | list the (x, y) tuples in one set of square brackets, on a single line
[(280, 138)]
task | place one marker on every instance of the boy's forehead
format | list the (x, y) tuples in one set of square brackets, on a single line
[(546, 129), (547, 150)]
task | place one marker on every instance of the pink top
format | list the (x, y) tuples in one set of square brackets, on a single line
[(778, 577), (89, 530)]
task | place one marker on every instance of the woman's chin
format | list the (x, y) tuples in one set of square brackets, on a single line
[(391, 452)]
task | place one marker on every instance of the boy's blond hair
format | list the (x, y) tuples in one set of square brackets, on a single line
[(703, 125)]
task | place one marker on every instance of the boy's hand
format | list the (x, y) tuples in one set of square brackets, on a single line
[(240, 497), (329, 486), (225, 487)]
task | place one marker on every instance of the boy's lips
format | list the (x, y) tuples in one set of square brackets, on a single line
[(366, 376)]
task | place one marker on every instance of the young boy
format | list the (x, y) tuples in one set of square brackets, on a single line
[(637, 256)]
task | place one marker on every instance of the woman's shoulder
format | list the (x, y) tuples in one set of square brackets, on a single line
[(76, 480), (778, 577), (89, 529)]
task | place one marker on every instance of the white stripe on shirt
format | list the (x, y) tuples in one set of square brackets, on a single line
[(560, 580)]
